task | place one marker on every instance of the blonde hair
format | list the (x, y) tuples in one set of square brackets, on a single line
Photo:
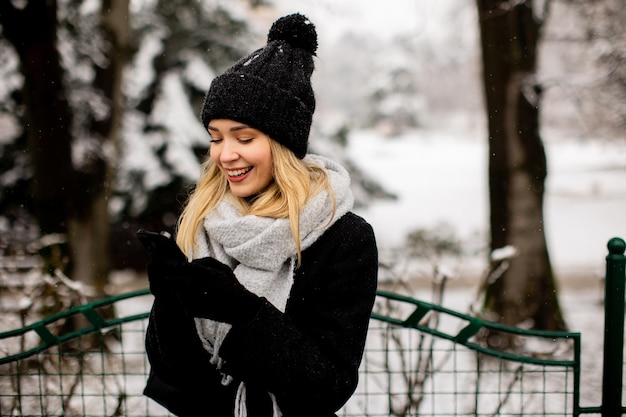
[(295, 182)]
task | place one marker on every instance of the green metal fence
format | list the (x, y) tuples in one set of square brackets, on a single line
[(421, 359)]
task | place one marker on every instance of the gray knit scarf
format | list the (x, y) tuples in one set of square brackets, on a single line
[(262, 253)]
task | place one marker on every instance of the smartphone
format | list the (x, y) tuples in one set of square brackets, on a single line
[(160, 245)]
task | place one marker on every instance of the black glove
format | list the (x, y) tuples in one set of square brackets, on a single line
[(166, 256), (209, 289), (206, 287)]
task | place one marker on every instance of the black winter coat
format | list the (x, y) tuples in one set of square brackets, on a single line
[(308, 356)]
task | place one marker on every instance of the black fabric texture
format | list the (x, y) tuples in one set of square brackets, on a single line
[(270, 89), (208, 289), (205, 287)]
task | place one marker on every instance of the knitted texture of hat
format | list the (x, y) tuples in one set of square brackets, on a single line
[(270, 89)]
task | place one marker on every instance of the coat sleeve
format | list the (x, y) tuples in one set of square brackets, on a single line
[(172, 344), (309, 356), (180, 373)]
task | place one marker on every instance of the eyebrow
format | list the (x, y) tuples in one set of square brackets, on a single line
[(232, 129)]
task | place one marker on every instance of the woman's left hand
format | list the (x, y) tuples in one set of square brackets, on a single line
[(209, 289)]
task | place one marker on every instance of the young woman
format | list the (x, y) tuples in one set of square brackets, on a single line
[(266, 312)]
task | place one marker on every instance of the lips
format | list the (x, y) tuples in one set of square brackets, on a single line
[(238, 172), (237, 175)]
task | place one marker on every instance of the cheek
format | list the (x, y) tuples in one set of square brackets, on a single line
[(264, 162), (268, 173), (264, 175), (213, 154)]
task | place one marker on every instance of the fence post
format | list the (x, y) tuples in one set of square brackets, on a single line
[(613, 329)]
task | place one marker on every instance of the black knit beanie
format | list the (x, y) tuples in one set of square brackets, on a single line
[(270, 89)]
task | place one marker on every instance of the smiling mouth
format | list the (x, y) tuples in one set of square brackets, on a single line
[(238, 172)]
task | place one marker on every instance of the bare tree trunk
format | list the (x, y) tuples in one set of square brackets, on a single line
[(89, 228), (70, 200), (527, 291), (32, 31)]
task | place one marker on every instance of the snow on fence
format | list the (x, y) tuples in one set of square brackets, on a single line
[(421, 359)]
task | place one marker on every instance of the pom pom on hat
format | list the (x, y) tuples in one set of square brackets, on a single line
[(270, 89), (296, 30)]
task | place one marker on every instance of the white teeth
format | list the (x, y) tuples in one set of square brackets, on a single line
[(238, 172)]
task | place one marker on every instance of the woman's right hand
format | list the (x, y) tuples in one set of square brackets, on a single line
[(166, 258)]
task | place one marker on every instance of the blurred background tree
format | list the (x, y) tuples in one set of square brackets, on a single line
[(510, 39), (71, 122), (591, 50), (581, 45)]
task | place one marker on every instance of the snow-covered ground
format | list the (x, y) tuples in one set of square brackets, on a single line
[(441, 177)]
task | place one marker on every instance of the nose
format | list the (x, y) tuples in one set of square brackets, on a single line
[(229, 152)]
